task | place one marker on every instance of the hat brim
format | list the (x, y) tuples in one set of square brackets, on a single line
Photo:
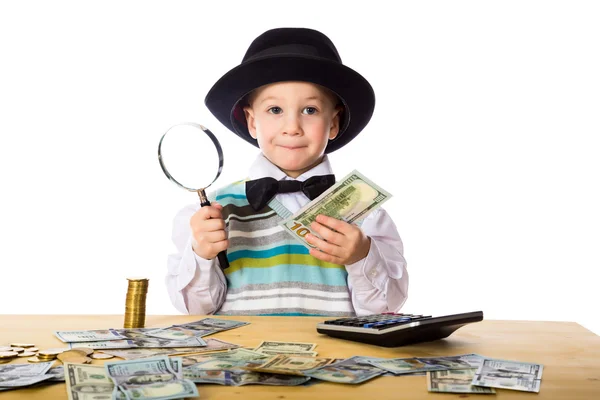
[(352, 88)]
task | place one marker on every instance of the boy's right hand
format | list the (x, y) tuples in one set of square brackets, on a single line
[(208, 231)]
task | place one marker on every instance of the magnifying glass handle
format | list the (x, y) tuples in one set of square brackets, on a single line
[(222, 256)]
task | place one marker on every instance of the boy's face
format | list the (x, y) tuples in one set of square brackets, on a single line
[(293, 121)]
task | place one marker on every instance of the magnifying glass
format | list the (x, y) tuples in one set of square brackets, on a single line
[(193, 155)]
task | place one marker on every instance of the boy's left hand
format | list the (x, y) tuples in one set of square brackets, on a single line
[(343, 243)]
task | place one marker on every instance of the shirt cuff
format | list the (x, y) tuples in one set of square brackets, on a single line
[(189, 262), (369, 272)]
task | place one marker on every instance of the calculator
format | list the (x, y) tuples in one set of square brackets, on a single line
[(394, 330)]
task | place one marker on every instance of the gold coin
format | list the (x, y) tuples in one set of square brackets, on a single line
[(8, 354), (27, 354), (73, 356), (22, 345), (86, 350), (51, 352), (5, 360), (36, 360), (18, 349), (34, 349), (101, 356), (5, 348)]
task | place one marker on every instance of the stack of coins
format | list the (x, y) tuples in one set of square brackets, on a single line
[(135, 303), (7, 356)]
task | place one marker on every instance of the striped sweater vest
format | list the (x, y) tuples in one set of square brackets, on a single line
[(270, 273)]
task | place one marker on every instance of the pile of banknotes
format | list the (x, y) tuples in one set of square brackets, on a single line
[(169, 362), (351, 199)]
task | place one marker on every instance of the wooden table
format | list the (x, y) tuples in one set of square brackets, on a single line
[(570, 355)]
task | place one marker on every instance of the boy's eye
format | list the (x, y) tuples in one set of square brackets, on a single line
[(275, 110), (310, 110)]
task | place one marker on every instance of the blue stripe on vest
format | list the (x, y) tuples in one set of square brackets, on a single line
[(276, 251), (289, 273)]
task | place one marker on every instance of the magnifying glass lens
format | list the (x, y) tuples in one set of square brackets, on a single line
[(189, 155)]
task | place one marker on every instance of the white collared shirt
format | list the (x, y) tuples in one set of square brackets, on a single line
[(378, 283)]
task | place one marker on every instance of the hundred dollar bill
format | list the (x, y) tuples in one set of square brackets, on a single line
[(240, 378), (14, 381), (506, 374), (274, 352), (134, 354), (465, 361), (236, 358), (454, 381), (291, 365), (25, 369), (153, 378), (203, 327), (285, 346), (88, 382), (89, 336), (146, 342), (350, 200), (351, 370)]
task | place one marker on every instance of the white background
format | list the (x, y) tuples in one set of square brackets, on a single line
[(485, 131)]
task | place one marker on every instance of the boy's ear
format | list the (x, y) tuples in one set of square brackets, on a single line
[(250, 121), (335, 122)]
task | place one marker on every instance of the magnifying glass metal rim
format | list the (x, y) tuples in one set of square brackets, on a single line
[(212, 137), (222, 256)]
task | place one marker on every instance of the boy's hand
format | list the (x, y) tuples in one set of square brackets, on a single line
[(343, 243), (208, 230)]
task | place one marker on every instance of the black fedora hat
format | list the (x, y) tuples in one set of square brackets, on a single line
[(292, 54)]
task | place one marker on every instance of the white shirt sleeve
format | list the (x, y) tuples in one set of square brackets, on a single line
[(195, 285), (379, 282)]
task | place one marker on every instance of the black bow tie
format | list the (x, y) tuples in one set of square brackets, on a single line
[(260, 191)]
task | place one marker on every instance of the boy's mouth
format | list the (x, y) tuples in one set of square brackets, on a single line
[(291, 147)]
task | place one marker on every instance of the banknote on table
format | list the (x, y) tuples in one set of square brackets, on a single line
[(240, 378), (464, 361), (399, 366), (213, 325), (350, 200), (291, 365), (285, 346), (89, 336), (88, 382), (351, 370), (454, 381), (274, 352), (203, 327), (14, 381), (25, 369), (507, 374), (146, 342), (150, 378), (231, 359), (57, 374), (14, 376), (423, 364), (212, 345)]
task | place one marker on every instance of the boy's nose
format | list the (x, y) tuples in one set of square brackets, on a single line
[(292, 125)]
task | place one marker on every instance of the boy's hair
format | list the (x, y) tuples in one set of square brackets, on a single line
[(332, 97)]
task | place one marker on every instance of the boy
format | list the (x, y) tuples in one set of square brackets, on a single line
[(294, 99)]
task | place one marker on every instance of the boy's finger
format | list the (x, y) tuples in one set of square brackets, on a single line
[(333, 223), (328, 234), (213, 224), (324, 256), (212, 212), (325, 247)]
